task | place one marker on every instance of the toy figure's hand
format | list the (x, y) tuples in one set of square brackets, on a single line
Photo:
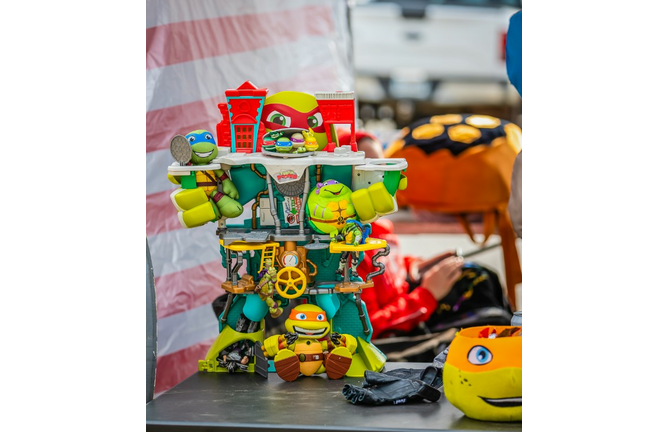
[(335, 338), (230, 189), (271, 346), (290, 338), (356, 243)]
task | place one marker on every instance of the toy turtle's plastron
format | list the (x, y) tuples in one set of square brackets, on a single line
[(309, 199)]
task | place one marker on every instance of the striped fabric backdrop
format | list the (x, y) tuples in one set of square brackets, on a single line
[(195, 50)]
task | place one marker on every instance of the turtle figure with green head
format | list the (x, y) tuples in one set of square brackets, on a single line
[(329, 206), (201, 201)]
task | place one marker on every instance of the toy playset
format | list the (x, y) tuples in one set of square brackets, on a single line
[(309, 201)]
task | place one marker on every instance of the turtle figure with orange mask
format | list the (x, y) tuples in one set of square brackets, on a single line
[(482, 374), (308, 347)]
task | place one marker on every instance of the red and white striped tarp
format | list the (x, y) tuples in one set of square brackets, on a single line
[(195, 50)]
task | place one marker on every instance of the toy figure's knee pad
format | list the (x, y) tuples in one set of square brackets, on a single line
[(287, 365), (186, 199), (198, 216), (372, 201), (382, 200), (363, 205), (338, 362)]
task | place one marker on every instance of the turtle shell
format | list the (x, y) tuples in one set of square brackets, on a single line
[(457, 163)]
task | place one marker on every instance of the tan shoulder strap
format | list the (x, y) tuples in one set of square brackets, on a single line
[(489, 226), (500, 219)]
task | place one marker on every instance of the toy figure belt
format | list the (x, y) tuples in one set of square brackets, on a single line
[(330, 220), (310, 357)]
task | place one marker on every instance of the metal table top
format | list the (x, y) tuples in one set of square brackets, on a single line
[(247, 402)]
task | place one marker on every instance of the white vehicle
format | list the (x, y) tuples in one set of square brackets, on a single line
[(447, 52)]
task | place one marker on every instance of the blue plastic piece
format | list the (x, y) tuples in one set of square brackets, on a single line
[(255, 309), (514, 51), (330, 303)]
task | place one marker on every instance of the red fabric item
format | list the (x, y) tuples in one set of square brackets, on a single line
[(389, 304), (344, 136)]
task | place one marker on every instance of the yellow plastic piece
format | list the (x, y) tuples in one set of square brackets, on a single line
[(286, 282), (381, 198), (363, 205), (351, 343), (368, 357), (369, 244), (199, 215), (226, 338), (173, 179), (283, 354), (268, 253), (403, 183), (187, 199), (268, 249), (241, 246), (357, 367)]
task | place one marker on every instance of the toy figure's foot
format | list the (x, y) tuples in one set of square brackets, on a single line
[(338, 277), (276, 313), (355, 278), (198, 216), (186, 199), (229, 207), (253, 326), (338, 362), (287, 365)]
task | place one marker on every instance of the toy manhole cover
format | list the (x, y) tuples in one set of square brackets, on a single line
[(180, 149)]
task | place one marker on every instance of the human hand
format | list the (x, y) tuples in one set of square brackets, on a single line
[(440, 278), (424, 265), (420, 265)]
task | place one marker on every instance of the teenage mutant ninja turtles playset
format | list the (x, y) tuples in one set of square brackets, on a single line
[(309, 202)]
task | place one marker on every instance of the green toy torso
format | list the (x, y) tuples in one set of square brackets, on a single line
[(327, 216), (268, 287)]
